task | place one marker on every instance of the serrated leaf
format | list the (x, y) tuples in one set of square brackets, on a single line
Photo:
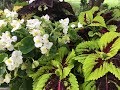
[(73, 82), (99, 72), (112, 28), (89, 64), (2, 57), (107, 38), (98, 21), (26, 45), (89, 85), (114, 70), (40, 83)]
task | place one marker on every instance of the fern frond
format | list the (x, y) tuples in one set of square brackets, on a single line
[(99, 72), (115, 48), (114, 70), (73, 82), (40, 72), (89, 85), (40, 83), (89, 64), (107, 38), (87, 46)]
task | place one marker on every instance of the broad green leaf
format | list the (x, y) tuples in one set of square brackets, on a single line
[(26, 45), (98, 21), (2, 68), (107, 38), (2, 57)]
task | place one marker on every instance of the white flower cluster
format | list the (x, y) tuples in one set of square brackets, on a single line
[(14, 61), (12, 18), (6, 79), (64, 23), (10, 15), (6, 41), (41, 40)]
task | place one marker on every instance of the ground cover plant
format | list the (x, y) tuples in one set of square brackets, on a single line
[(50, 45)]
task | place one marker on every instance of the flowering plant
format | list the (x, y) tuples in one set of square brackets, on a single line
[(48, 51)]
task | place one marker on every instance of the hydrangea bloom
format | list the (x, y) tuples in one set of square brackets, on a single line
[(6, 41), (64, 23), (14, 61)]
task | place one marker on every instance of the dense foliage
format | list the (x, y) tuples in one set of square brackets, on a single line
[(44, 45)]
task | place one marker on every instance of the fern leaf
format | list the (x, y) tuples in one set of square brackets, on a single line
[(89, 85), (107, 38), (89, 64), (73, 82), (115, 48), (112, 28), (99, 72), (98, 21), (114, 70), (87, 46), (40, 83)]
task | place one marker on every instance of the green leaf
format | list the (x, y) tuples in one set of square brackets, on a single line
[(112, 28), (70, 57), (98, 21), (40, 83), (107, 38), (2, 69), (99, 72), (89, 64), (73, 82), (114, 70), (67, 70), (2, 57), (26, 45), (89, 85)]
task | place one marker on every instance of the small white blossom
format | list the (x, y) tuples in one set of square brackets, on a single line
[(80, 25), (44, 50), (64, 23), (9, 14), (7, 78), (48, 45), (38, 41), (35, 32), (16, 24), (33, 24), (14, 61), (30, 1), (14, 38), (3, 23), (6, 41), (46, 17), (61, 0), (73, 25)]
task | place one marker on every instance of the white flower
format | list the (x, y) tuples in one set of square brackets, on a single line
[(35, 32), (38, 41), (9, 14), (33, 24), (14, 61), (48, 45), (7, 78), (80, 25), (16, 24), (61, 0), (73, 25), (46, 17), (6, 41), (30, 1), (3, 23), (64, 23), (14, 38), (44, 50)]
